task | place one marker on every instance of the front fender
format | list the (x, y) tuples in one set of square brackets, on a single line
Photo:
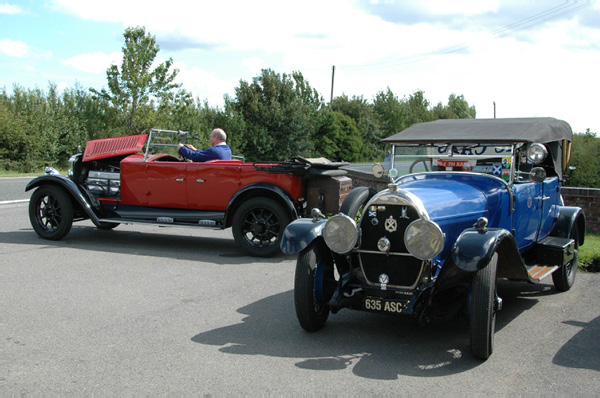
[(474, 248), (88, 203), (300, 233)]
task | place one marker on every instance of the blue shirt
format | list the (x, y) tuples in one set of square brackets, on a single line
[(222, 152)]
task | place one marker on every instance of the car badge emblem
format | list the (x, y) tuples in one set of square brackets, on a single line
[(384, 279), (391, 225), (372, 213), (374, 221), (404, 215)]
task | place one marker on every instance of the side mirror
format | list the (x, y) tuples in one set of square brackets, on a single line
[(538, 174)]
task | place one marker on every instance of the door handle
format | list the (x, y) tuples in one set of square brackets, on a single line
[(179, 179), (199, 180)]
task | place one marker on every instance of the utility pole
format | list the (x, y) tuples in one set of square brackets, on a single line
[(494, 109), (332, 78)]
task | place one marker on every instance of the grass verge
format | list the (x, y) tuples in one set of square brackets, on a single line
[(589, 253)]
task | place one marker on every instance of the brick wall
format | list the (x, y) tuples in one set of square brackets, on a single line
[(589, 200), (586, 198)]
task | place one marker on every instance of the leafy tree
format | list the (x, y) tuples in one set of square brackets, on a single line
[(585, 155), (133, 88), (338, 138), (367, 123), (279, 113), (457, 108)]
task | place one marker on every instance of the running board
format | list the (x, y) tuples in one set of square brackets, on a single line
[(539, 272), (164, 222)]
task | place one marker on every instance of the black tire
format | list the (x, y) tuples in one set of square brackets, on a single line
[(564, 277), (51, 212), (258, 226), (355, 201), (312, 310), (483, 306)]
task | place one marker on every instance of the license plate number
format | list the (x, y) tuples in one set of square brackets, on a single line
[(388, 306)]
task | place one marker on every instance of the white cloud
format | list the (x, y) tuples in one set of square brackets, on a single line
[(96, 62), (460, 7), (546, 71), (204, 84), (10, 9), (14, 48)]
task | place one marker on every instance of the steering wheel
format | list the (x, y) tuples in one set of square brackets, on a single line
[(426, 163)]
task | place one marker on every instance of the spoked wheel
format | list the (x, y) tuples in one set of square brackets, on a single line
[(484, 304), (564, 277), (426, 164), (258, 226), (314, 285), (51, 212)]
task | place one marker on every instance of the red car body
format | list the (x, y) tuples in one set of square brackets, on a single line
[(113, 183)]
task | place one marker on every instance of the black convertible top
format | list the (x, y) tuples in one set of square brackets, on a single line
[(542, 130)]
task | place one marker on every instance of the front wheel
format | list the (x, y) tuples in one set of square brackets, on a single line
[(258, 226), (51, 212), (314, 284), (484, 304), (564, 278)]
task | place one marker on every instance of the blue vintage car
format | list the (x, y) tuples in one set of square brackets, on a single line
[(468, 202)]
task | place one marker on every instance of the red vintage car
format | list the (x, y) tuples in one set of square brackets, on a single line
[(113, 182)]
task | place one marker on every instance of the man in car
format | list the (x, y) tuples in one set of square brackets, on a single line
[(219, 149)]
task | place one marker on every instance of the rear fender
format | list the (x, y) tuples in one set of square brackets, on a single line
[(569, 217), (260, 189), (90, 205), (300, 233)]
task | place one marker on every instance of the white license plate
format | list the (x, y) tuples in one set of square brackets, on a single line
[(388, 306)]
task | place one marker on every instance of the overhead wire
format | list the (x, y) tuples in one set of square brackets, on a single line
[(566, 8)]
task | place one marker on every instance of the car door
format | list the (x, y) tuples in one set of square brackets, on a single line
[(527, 214), (211, 185), (166, 184), (549, 201)]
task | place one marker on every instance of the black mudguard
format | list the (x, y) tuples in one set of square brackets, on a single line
[(474, 248), (90, 205), (254, 190), (569, 217), (300, 233), (473, 251)]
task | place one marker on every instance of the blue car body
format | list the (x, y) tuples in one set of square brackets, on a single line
[(434, 243)]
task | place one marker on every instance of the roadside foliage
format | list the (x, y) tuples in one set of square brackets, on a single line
[(273, 117)]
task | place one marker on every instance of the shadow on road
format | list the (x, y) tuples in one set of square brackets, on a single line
[(150, 242), (581, 351), (375, 346)]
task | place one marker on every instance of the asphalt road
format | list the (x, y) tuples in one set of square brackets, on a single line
[(148, 310)]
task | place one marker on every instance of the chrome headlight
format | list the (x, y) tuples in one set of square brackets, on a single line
[(536, 153), (424, 239), (340, 233)]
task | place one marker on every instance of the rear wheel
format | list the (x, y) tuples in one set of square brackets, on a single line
[(484, 305), (314, 284), (564, 278), (51, 212), (258, 226)]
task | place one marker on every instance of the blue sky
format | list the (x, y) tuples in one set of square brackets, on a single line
[(530, 57)]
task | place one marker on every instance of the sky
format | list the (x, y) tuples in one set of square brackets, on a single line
[(511, 58)]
